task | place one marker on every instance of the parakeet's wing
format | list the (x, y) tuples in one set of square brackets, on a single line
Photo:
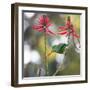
[(59, 48)]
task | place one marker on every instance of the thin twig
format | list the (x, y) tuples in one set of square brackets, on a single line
[(60, 68)]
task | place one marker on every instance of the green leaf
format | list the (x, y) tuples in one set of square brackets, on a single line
[(59, 48)]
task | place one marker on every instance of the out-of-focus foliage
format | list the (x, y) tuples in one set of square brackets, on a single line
[(36, 40)]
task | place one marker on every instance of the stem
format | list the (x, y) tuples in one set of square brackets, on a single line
[(56, 72), (78, 41), (73, 41), (58, 69), (68, 36), (46, 61)]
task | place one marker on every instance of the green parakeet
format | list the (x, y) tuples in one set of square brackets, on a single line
[(59, 48)]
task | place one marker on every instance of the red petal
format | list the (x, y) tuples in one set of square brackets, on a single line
[(72, 29), (62, 28), (38, 27), (40, 30), (63, 32), (41, 20), (68, 22), (70, 32), (47, 20), (49, 24), (75, 35), (50, 32)]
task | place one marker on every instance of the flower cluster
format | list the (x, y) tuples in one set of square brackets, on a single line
[(43, 26), (68, 29)]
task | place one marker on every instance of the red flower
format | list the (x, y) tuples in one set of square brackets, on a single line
[(68, 29), (43, 26)]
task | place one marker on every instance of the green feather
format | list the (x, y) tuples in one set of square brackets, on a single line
[(59, 48)]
